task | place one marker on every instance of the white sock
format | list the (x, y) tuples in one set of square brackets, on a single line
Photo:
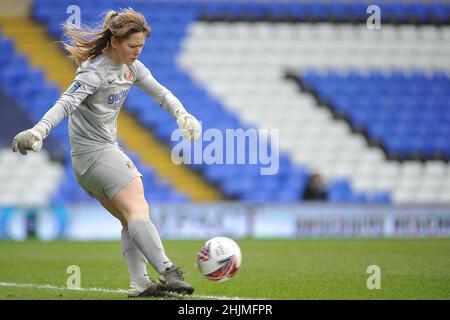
[(136, 262), (146, 238)]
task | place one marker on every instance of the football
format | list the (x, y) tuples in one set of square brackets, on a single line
[(219, 259)]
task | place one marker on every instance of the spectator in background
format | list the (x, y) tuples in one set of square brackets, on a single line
[(315, 189)]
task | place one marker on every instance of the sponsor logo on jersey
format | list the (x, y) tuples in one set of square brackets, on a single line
[(116, 97), (74, 87)]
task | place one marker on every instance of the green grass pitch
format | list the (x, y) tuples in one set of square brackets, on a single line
[(271, 269)]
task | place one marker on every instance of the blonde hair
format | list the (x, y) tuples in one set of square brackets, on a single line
[(88, 43)]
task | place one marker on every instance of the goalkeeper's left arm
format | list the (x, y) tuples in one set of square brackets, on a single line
[(188, 124)]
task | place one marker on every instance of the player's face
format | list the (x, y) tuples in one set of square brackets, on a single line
[(129, 49)]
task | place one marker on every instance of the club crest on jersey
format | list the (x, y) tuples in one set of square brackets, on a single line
[(127, 75), (74, 87)]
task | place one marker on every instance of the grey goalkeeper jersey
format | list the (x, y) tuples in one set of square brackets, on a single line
[(95, 97)]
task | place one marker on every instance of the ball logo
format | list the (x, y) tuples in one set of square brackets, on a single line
[(220, 250)]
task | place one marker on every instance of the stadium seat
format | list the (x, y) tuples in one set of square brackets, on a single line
[(219, 64)]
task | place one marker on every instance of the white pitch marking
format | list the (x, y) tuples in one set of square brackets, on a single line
[(48, 286)]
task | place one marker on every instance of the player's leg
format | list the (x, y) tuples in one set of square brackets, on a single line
[(135, 260), (113, 210), (130, 201), (102, 174)]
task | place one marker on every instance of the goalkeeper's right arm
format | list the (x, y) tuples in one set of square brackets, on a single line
[(85, 83), (30, 139)]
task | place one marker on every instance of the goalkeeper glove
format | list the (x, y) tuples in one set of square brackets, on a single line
[(30, 139), (190, 126)]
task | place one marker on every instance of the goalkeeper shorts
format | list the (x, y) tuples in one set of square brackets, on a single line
[(104, 172)]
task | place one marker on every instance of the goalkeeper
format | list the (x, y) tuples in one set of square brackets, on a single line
[(108, 68)]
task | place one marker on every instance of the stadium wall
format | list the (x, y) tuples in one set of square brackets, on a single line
[(237, 220)]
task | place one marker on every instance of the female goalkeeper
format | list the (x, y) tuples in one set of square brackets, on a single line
[(108, 67)]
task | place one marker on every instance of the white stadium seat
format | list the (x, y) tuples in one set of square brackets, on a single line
[(243, 65), (29, 180)]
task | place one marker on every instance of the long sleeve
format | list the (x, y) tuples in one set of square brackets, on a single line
[(158, 92), (86, 82)]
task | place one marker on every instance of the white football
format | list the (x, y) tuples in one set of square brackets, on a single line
[(219, 259)]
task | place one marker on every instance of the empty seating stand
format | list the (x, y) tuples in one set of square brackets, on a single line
[(232, 76)]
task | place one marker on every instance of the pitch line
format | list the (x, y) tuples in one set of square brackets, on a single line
[(48, 286)]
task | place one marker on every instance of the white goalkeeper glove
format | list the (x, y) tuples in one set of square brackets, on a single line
[(190, 126), (30, 139)]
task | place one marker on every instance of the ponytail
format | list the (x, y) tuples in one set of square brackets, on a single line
[(88, 43)]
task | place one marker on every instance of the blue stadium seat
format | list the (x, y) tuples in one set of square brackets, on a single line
[(339, 191), (353, 95), (380, 103)]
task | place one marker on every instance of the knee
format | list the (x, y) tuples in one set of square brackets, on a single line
[(124, 224), (140, 210)]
